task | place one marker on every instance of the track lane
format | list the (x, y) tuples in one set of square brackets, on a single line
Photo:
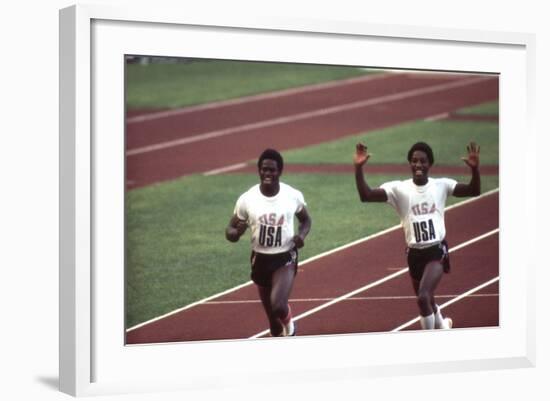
[(232, 114), (383, 314), (217, 321), (178, 160)]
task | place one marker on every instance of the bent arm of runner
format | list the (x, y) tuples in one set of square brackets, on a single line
[(304, 225), (473, 188), (235, 229), (366, 193)]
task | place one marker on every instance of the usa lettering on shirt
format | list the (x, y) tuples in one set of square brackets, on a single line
[(420, 208), (271, 227), (271, 219)]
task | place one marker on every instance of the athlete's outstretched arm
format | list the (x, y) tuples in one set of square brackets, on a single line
[(304, 225), (235, 228), (472, 160), (366, 193)]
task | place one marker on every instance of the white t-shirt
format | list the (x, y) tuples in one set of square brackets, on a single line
[(271, 219), (421, 208)]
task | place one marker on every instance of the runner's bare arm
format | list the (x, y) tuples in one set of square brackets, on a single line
[(303, 227), (366, 193), (473, 188), (235, 229)]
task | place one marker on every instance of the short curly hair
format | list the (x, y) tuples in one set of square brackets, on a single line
[(271, 154), (423, 147)]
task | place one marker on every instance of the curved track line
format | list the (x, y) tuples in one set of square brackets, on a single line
[(232, 167), (452, 301), (305, 115), (381, 281), (253, 98), (373, 298), (309, 260)]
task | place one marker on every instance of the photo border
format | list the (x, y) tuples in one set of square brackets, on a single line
[(77, 206)]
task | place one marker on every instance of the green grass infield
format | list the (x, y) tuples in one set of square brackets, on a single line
[(176, 250), (171, 85), (447, 138), (484, 109)]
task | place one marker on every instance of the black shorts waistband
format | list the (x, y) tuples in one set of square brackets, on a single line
[(440, 245)]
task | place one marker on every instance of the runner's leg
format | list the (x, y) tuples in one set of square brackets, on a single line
[(283, 280), (416, 285), (426, 289), (275, 326)]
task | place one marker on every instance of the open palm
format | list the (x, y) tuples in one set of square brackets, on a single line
[(472, 160), (361, 156)]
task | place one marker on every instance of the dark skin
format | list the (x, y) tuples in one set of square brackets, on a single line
[(420, 166), (269, 186), (275, 298)]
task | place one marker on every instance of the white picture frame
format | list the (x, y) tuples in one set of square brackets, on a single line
[(93, 40)]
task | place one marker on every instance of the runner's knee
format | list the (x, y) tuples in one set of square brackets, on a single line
[(425, 300), (279, 309)]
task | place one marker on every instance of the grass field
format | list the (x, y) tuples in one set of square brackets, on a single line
[(176, 249), (176, 252), (448, 140), (489, 109), (162, 86)]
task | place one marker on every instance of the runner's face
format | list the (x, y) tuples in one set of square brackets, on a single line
[(420, 165), (269, 172)]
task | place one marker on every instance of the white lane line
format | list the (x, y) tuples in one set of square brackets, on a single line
[(464, 244), (137, 326), (437, 117), (313, 258), (253, 98), (393, 228), (375, 298), (225, 169), (374, 284), (341, 298), (305, 115), (452, 301)]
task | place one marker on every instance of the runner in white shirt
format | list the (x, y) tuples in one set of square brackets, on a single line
[(268, 208), (420, 203)]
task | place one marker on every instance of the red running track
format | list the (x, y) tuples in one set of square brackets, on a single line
[(205, 138), (382, 308)]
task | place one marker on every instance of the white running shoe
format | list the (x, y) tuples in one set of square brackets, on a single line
[(289, 329), (447, 323)]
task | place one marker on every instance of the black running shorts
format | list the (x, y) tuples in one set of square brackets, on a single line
[(417, 259), (263, 265)]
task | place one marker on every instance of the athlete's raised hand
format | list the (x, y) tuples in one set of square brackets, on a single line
[(361, 155), (472, 160)]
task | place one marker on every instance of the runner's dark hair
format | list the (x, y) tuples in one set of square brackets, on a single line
[(271, 154), (424, 147)]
